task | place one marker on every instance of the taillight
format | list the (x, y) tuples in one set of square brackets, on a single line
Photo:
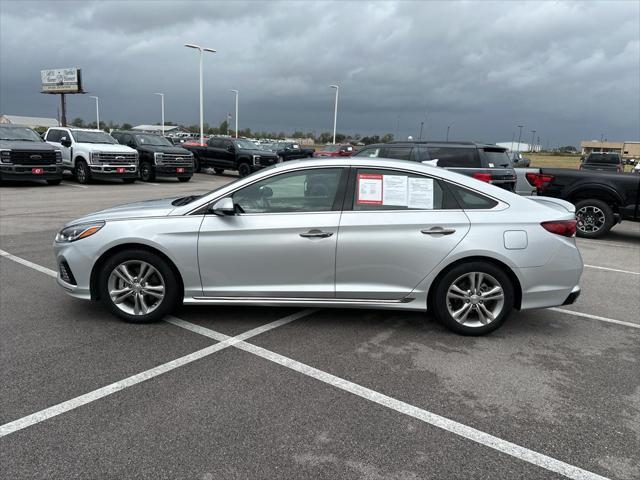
[(483, 177), (539, 180), (566, 228)]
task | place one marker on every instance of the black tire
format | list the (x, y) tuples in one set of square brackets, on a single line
[(196, 164), (55, 181), (219, 171), (128, 180), (171, 285), (82, 172), (146, 172), (244, 169), (440, 303), (184, 179), (595, 218)]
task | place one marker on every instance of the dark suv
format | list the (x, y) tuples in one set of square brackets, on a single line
[(482, 161), (158, 157), (222, 154), (604, 162)]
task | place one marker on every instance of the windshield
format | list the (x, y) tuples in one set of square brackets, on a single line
[(155, 140), (22, 134), (497, 158), (611, 158), (246, 144), (85, 136)]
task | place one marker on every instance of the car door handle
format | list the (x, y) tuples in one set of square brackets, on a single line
[(438, 231), (316, 234)]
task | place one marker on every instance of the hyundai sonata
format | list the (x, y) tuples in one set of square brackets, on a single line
[(350, 232)]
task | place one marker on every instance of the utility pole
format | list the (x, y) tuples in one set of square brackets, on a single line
[(533, 138), (237, 93), (335, 112), (421, 127), (519, 135), (513, 138), (201, 50), (448, 127)]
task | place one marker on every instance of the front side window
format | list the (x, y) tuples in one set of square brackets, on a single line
[(455, 157), (398, 153), (368, 152), (54, 136), (313, 190), (379, 189)]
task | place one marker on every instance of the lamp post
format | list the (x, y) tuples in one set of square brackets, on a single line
[(519, 135), (161, 109), (335, 112), (448, 127), (97, 111), (236, 92), (533, 139), (421, 127), (201, 50)]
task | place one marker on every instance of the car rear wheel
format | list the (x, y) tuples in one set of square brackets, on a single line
[(473, 298), (138, 286), (244, 169), (82, 173), (595, 218)]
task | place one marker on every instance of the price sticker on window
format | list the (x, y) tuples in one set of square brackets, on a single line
[(369, 189)]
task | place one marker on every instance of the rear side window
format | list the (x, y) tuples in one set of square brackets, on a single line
[(455, 157), (380, 189), (612, 159), (54, 136), (470, 200), (398, 153), (368, 152), (214, 142)]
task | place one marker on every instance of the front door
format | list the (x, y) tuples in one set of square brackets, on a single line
[(395, 229), (282, 240)]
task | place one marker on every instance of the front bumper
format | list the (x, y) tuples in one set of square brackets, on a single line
[(25, 172), (172, 171), (111, 171)]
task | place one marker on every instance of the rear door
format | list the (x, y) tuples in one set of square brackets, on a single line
[(396, 227)]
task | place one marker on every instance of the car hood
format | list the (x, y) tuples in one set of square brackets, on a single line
[(257, 151), (165, 149), (31, 146), (150, 208)]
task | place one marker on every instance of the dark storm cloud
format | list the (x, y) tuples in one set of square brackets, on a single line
[(568, 70)]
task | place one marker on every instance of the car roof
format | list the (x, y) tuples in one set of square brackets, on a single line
[(439, 143)]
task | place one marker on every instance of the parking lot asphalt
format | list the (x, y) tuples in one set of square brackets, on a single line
[(333, 393)]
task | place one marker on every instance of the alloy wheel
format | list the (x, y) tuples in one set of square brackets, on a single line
[(475, 299), (590, 219), (136, 287)]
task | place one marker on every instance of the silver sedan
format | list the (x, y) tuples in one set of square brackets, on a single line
[(368, 233)]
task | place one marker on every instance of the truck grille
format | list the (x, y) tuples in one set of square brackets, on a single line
[(175, 160), (26, 157), (115, 158)]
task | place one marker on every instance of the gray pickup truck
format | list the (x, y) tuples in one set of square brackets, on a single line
[(603, 162)]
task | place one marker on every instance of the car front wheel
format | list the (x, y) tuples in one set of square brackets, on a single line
[(244, 169), (138, 286), (473, 298), (82, 173)]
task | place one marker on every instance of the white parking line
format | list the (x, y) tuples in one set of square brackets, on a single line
[(27, 263), (94, 395), (475, 435), (595, 317), (612, 269)]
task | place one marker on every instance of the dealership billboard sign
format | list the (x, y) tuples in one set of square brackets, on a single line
[(61, 80)]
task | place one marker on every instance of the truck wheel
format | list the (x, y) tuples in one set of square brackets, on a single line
[(82, 172), (184, 179), (146, 172), (196, 164), (219, 171), (595, 218), (244, 169), (54, 181)]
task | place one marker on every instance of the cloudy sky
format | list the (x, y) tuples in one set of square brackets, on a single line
[(570, 70)]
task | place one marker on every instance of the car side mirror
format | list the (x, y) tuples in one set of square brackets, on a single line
[(224, 206), (65, 142)]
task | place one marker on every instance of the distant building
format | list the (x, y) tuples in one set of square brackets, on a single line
[(31, 122), (168, 129), (625, 149), (519, 147)]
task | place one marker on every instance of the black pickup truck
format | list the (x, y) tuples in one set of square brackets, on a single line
[(290, 151), (230, 154), (24, 155), (602, 199), (485, 162)]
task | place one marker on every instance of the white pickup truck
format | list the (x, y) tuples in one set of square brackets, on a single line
[(90, 154)]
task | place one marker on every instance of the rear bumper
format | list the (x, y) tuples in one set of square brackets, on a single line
[(573, 296), (25, 172)]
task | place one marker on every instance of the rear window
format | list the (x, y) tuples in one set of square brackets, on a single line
[(398, 153), (470, 200), (455, 157), (610, 158), (497, 158)]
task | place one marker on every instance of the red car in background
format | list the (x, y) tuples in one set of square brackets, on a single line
[(335, 151)]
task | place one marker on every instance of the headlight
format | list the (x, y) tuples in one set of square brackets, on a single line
[(157, 158), (93, 157), (58, 156), (76, 232), (5, 156)]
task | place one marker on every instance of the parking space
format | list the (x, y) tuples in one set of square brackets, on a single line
[(332, 393)]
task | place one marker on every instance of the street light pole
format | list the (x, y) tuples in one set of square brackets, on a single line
[(201, 50), (161, 109), (237, 93), (533, 139), (335, 112), (448, 127), (421, 127), (519, 135), (97, 111)]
